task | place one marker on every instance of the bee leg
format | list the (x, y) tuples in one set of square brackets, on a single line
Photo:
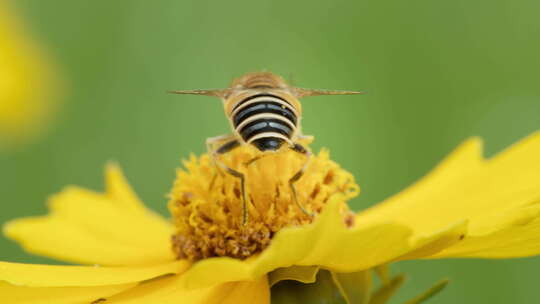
[(228, 146), (210, 148), (300, 149), (242, 178), (213, 141), (256, 158)]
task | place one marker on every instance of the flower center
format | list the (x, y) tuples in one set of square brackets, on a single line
[(206, 204)]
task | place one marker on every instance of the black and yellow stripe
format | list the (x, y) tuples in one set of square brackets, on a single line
[(265, 120)]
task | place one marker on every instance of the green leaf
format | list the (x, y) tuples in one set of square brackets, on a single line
[(355, 287), (435, 289), (386, 291), (383, 273), (322, 291)]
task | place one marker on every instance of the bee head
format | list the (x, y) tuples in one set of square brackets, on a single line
[(259, 80)]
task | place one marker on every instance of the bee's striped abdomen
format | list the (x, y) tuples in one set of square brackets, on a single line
[(265, 120)]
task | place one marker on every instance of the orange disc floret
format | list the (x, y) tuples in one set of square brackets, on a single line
[(206, 204)]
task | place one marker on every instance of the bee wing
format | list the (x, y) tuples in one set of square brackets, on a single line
[(212, 92), (300, 92)]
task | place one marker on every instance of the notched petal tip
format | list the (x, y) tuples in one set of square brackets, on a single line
[(8, 229), (491, 194), (113, 170), (429, 245), (513, 234), (119, 189), (87, 227)]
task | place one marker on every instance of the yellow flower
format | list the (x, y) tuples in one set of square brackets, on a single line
[(466, 207), (27, 82)]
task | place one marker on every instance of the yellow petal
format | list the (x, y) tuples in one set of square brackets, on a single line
[(516, 234), (28, 83), (11, 294), (119, 190), (304, 274), (243, 292), (61, 276), (487, 193), (327, 242), (167, 291), (88, 227), (433, 244)]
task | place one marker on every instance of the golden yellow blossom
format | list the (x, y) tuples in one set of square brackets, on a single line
[(468, 206), (27, 83), (207, 211)]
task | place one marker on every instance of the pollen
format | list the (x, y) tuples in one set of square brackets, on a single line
[(206, 203)]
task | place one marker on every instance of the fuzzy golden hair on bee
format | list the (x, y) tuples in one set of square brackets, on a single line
[(264, 111)]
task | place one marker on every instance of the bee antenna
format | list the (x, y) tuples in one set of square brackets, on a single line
[(299, 92)]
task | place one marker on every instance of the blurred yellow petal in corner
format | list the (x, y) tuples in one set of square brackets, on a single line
[(28, 84), (468, 206)]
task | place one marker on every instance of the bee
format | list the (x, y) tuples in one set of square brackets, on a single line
[(265, 112)]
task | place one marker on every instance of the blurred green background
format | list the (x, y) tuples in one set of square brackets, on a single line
[(436, 73)]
